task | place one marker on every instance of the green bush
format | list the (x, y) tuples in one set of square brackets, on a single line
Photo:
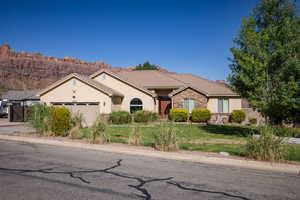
[(60, 120), (200, 115), (165, 138), (266, 146), (120, 117), (144, 116), (99, 133), (179, 114), (135, 137), (253, 121), (237, 116)]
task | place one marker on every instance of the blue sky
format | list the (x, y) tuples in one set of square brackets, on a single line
[(183, 36)]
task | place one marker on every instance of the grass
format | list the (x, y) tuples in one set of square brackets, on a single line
[(195, 137)]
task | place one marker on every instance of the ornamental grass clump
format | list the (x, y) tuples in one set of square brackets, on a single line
[(74, 133), (77, 119), (40, 118), (165, 138), (266, 146), (135, 137), (99, 133)]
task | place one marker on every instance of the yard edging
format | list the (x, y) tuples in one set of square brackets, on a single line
[(250, 164)]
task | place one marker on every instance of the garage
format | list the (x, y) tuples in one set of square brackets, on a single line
[(90, 110)]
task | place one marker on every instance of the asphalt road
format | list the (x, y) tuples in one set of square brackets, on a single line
[(31, 171)]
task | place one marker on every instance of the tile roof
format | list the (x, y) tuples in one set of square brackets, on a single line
[(151, 79), (156, 79), (210, 87)]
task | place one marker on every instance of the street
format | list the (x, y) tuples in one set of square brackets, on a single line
[(31, 171)]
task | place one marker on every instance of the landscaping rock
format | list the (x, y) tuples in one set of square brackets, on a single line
[(224, 153)]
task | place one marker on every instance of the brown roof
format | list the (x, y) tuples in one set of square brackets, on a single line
[(151, 79), (128, 80), (156, 79), (87, 80), (211, 88), (19, 95)]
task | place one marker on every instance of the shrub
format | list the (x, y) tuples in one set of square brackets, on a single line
[(60, 120), (74, 133), (253, 121), (266, 146), (77, 119), (99, 134), (37, 117), (287, 132), (179, 115), (200, 115), (144, 116), (135, 137), (120, 117), (237, 116), (165, 139)]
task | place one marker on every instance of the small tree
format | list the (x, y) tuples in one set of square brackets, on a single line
[(146, 66)]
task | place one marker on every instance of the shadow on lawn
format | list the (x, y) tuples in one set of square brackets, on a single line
[(228, 130)]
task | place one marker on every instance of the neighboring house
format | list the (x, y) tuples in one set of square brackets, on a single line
[(18, 101), (106, 91)]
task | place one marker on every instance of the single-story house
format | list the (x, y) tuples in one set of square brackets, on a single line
[(18, 101), (105, 91)]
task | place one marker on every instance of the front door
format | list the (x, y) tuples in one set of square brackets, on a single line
[(165, 104)]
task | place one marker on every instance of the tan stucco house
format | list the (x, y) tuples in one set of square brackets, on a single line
[(106, 91)]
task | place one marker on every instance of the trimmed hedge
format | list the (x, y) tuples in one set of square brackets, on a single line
[(237, 116), (144, 116), (60, 120), (120, 117), (179, 114), (200, 115)]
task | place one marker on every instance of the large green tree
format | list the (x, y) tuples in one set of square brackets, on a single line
[(265, 66)]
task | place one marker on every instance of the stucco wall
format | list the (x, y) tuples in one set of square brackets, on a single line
[(200, 99), (128, 91), (83, 93), (234, 104)]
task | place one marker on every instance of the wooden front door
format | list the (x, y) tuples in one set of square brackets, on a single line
[(165, 105)]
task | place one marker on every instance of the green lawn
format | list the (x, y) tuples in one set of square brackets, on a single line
[(208, 138)]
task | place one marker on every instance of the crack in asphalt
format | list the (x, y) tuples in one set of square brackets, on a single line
[(139, 187), (180, 186)]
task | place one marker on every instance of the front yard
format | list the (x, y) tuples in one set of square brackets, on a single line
[(195, 137)]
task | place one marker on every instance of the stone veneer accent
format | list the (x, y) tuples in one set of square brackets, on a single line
[(200, 99)]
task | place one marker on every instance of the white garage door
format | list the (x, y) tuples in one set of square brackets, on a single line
[(90, 111)]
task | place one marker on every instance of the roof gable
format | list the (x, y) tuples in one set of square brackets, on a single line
[(108, 91), (122, 79)]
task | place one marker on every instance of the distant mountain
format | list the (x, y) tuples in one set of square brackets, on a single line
[(23, 70)]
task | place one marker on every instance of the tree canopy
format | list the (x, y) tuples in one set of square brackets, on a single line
[(265, 67), (146, 66)]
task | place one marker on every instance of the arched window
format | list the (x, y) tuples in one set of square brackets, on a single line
[(136, 104)]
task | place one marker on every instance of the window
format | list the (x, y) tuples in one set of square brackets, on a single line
[(135, 105), (223, 106), (74, 82), (189, 104)]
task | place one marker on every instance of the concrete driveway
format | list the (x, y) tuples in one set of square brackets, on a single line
[(7, 127), (33, 171)]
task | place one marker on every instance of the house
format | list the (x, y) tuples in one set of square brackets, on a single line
[(17, 101), (105, 91)]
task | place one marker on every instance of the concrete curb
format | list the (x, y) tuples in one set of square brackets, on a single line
[(250, 164)]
